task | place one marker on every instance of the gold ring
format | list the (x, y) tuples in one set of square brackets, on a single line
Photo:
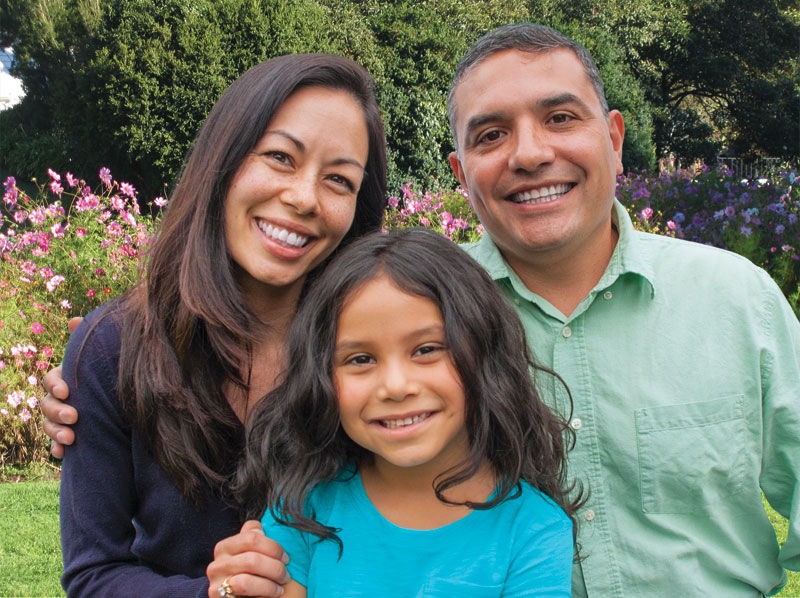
[(225, 590)]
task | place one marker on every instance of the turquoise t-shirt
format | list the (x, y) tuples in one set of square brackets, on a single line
[(522, 547)]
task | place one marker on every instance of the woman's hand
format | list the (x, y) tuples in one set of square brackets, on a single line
[(252, 564), (58, 416)]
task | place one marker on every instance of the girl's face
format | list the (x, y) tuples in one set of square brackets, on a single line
[(400, 396), (293, 198)]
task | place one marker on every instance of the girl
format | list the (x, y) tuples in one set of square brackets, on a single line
[(289, 164), (409, 438)]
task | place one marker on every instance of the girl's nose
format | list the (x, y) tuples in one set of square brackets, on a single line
[(397, 383)]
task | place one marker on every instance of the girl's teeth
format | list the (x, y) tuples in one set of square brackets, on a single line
[(399, 423)]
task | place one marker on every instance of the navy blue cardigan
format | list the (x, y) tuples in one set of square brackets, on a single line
[(125, 529)]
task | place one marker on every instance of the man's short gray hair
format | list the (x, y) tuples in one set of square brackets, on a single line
[(526, 37)]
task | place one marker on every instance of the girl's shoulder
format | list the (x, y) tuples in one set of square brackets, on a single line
[(536, 508)]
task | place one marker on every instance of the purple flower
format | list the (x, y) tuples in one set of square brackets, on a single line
[(679, 217), (746, 231), (730, 211), (779, 229), (105, 176)]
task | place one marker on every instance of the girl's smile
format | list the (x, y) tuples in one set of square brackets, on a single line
[(399, 394)]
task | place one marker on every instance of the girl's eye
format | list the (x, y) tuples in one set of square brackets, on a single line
[(429, 350), (359, 360)]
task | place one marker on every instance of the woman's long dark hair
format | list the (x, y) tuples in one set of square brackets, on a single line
[(295, 440), (187, 329)]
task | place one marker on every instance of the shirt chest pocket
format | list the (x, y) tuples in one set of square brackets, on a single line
[(691, 456)]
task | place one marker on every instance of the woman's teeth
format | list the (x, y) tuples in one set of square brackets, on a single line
[(281, 235), (399, 423), (543, 194)]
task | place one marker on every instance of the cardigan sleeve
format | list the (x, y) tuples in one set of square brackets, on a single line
[(98, 490)]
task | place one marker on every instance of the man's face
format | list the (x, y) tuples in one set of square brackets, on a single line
[(536, 154)]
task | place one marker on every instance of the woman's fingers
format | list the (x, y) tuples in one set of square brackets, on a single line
[(57, 415), (253, 564)]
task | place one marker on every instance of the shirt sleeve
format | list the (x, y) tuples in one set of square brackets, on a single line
[(98, 494), (294, 542), (780, 469), (542, 563)]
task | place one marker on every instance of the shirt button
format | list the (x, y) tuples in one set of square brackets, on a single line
[(566, 332), (516, 301), (588, 515), (608, 295), (576, 423)]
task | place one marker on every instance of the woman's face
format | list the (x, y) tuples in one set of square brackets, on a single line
[(294, 196)]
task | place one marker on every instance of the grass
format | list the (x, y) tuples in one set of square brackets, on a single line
[(30, 545), (30, 549)]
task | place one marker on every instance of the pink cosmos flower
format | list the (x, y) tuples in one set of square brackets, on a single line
[(33, 380), (162, 201), (99, 272), (90, 293), (10, 198), (25, 415), (2, 364), (15, 398), (48, 351), (670, 225), (46, 272), (28, 267), (20, 216), (41, 365), (32, 401), (71, 180), (4, 411), (53, 283), (56, 188), (647, 213), (58, 230), (53, 174), (65, 304), (117, 202), (127, 189), (37, 328), (129, 219), (80, 232)]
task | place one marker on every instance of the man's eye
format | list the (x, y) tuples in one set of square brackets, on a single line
[(560, 119), (489, 137)]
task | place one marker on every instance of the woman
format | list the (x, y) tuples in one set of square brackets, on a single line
[(289, 165)]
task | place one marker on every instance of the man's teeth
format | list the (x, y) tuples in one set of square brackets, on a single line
[(399, 423), (281, 235), (542, 195)]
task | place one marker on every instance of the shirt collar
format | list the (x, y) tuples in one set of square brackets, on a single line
[(630, 256)]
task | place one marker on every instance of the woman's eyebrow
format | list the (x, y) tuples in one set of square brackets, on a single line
[(302, 148)]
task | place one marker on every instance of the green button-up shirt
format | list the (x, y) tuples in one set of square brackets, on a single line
[(684, 366)]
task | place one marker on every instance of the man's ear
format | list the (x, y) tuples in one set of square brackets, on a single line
[(455, 164), (616, 130)]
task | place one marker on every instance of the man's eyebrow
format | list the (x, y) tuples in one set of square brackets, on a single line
[(479, 120), (561, 99)]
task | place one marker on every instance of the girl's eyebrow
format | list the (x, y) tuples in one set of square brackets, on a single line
[(428, 330), (302, 148)]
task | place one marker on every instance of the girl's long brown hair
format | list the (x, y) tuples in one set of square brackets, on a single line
[(186, 329)]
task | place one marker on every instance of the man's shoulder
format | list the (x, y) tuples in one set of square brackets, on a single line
[(674, 258)]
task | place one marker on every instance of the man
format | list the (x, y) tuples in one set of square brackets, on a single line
[(683, 361)]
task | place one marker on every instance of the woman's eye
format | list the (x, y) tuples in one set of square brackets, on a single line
[(345, 182), (279, 157)]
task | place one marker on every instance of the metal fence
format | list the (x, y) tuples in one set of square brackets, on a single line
[(751, 169)]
